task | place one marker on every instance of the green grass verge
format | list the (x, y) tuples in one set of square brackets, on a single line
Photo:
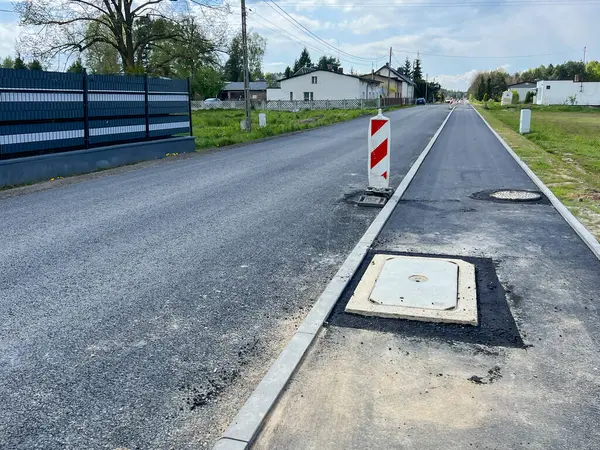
[(563, 149), (219, 128)]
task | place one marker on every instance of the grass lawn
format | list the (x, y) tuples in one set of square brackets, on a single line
[(563, 149), (221, 127)]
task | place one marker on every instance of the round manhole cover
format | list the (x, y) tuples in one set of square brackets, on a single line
[(516, 195)]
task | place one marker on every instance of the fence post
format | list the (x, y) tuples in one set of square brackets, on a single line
[(86, 119), (345, 104), (146, 107), (190, 104)]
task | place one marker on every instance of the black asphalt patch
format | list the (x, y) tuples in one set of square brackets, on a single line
[(496, 327)]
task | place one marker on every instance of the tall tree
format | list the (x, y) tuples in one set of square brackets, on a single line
[(8, 63), (303, 61), (328, 63), (288, 72), (60, 26), (417, 73), (207, 82), (593, 71), (100, 57), (234, 67), (407, 69), (19, 63), (76, 67), (35, 65)]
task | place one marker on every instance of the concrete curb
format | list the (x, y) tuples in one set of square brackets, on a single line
[(249, 420), (577, 226)]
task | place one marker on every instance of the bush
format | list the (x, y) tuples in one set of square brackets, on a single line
[(486, 97), (529, 97), (515, 97)]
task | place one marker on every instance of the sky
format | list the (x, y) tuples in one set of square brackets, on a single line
[(455, 38)]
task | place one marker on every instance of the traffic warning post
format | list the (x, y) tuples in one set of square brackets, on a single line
[(379, 152), (379, 190)]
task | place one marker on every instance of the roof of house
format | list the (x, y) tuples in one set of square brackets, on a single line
[(239, 86), (309, 70), (523, 84), (396, 74)]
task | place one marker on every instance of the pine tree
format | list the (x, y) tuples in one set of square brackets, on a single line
[(407, 69), (76, 67), (304, 60), (35, 65), (19, 64), (417, 72), (8, 63), (288, 72)]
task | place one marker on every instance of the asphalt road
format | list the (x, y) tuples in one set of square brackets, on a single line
[(527, 377), (139, 308)]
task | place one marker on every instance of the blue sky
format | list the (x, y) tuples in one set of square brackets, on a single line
[(454, 40)]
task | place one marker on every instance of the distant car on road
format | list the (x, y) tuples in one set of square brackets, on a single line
[(420, 101)]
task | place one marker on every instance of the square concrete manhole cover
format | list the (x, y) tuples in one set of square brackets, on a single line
[(408, 287)]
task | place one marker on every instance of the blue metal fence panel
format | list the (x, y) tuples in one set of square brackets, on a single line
[(46, 111), (116, 130), (21, 138), (169, 125)]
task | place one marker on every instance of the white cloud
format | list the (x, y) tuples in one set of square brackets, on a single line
[(9, 33)]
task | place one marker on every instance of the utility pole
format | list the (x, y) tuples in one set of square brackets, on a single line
[(389, 73), (581, 84), (426, 76), (246, 71)]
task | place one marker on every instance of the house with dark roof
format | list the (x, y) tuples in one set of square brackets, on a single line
[(234, 90), (316, 84), (400, 85)]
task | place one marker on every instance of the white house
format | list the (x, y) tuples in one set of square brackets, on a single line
[(522, 89), (400, 85), (313, 84), (558, 92)]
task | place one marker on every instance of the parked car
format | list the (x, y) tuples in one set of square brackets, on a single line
[(420, 101), (212, 102)]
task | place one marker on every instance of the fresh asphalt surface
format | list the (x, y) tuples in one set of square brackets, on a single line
[(139, 309), (382, 383)]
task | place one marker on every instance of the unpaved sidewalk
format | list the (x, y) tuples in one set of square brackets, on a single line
[(527, 377)]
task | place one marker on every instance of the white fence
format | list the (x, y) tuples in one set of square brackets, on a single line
[(292, 105)]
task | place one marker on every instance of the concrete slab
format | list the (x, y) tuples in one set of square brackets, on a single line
[(416, 283), (463, 292)]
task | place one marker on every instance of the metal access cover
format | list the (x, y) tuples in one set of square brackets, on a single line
[(417, 288), (417, 283), (516, 195), (372, 200)]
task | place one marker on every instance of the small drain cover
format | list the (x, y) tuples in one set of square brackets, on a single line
[(516, 195), (372, 200)]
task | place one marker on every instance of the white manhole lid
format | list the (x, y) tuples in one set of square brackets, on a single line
[(417, 283), (511, 194), (404, 287)]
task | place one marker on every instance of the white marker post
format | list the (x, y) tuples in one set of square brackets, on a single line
[(379, 152), (525, 124)]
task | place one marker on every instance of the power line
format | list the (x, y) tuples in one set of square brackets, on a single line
[(286, 34), (453, 4), (297, 24)]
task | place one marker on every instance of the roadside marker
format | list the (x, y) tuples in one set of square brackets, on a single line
[(379, 152)]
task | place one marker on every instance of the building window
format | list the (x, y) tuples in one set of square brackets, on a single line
[(291, 96), (548, 87), (314, 80), (308, 96)]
